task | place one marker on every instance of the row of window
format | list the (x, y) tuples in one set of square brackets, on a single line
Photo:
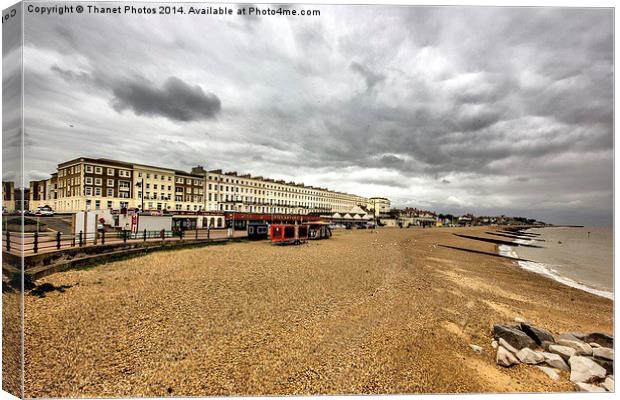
[(185, 181), (123, 185), (282, 188), (89, 169), (97, 191)]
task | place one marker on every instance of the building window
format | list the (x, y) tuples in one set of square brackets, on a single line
[(139, 174), (123, 195), (98, 170), (88, 191), (109, 204), (97, 191), (180, 180), (88, 180), (110, 182), (88, 168), (110, 192), (97, 204), (124, 173), (111, 173), (98, 181), (155, 185), (124, 185)]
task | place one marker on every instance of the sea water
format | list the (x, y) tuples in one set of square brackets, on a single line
[(578, 257)]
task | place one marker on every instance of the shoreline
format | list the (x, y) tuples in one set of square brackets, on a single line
[(547, 270), (544, 270), (364, 312)]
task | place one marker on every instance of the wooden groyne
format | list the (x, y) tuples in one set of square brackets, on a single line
[(487, 253), (514, 236), (496, 241), (519, 232)]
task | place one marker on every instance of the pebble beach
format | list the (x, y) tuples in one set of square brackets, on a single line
[(365, 312)]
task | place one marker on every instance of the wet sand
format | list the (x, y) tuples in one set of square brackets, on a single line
[(363, 312)]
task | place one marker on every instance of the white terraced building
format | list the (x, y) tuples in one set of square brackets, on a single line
[(86, 183)]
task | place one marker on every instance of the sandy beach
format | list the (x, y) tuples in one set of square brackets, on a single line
[(370, 312)]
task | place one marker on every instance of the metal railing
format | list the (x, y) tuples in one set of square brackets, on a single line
[(39, 242)]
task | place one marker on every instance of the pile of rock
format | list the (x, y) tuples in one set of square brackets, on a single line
[(588, 357)]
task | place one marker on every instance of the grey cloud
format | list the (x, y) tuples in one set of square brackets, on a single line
[(525, 101), (371, 78), (391, 160), (175, 100), (390, 182)]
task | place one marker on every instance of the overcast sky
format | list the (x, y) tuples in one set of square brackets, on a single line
[(483, 110)]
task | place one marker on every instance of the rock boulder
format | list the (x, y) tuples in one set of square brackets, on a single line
[(605, 363), (603, 339), (529, 356), (603, 352), (514, 336), (537, 334), (477, 349), (505, 358), (562, 351), (583, 369), (507, 346), (586, 387), (582, 349), (555, 361), (608, 384)]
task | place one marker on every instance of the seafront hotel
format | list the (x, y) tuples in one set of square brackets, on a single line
[(91, 184)]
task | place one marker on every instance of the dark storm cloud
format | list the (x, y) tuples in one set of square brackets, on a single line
[(468, 109), (175, 100)]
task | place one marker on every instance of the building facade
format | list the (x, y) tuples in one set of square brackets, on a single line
[(90, 184), (8, 196), (379, 205)]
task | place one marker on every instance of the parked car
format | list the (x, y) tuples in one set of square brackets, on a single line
[(44, 211)]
